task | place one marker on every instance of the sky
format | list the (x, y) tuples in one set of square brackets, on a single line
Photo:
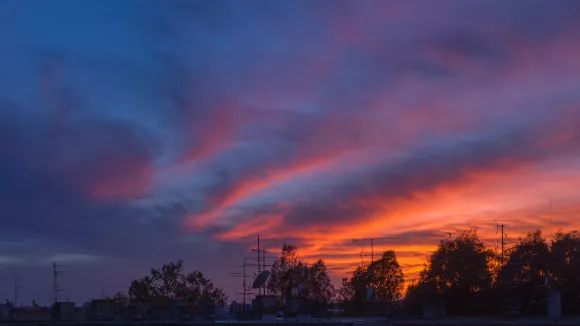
[(137, 132)]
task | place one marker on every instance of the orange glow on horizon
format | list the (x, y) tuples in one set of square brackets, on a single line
[(474, 200)]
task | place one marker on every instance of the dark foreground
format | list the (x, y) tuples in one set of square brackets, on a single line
[(485, 321), (457, 321)]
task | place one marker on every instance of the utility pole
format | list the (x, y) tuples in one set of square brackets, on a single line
[(55, 274), (372, 240)]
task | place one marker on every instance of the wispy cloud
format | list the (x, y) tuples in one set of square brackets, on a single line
[(68, 258), (185, 128)]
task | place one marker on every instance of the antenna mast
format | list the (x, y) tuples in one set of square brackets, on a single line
[(55, 274), (261, 263), (502, 244), (504, 241), (500, 227), (16, 288), (244, 276), (244, 283), (551, 221)]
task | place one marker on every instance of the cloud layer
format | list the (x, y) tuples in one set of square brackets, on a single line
[(152, 131)]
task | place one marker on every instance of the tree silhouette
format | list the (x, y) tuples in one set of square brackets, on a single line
[(532, 254), (346, 291), (286, 273), (459, 272), (289, 272), (354, 289), (120, 300), (172, 282), (566, 269), (384, 275), (524, 274), (466, 275), (142, 289), (318, 286)]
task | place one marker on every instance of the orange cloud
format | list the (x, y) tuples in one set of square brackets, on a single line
[(251, 227), (476, 200), (508, 183)]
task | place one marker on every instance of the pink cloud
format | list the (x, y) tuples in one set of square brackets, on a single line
[(213, 134)]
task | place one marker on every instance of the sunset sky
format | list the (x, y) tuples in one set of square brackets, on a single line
[(137, 132)]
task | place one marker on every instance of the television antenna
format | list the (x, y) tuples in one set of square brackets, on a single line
[(503, 240), (244, 278), (244, 275), (372, 240), (261, 264)]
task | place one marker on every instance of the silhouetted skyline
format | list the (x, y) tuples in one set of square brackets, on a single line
[(136, 132)]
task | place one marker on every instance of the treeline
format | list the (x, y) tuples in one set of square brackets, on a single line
[(172, 282), (292, 277), (461, 274), (473, 280)]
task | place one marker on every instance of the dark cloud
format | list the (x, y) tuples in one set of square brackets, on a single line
[(474, 46), (47, 190), (49, 212)]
